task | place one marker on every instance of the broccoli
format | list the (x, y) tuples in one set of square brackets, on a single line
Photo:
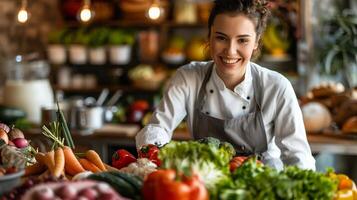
[(218, 144), (210, 140)]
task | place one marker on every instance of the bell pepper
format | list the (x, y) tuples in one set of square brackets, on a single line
[(122, 158), (150, 152), (166, 184), (344, 182), (140, 105)]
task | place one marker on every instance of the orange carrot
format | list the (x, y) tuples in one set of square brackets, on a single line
[(95, 159), (69, 171), (50, 161), (59, 162), (36, 168), (72, 165), (87, 165)]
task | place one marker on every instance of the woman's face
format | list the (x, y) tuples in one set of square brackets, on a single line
[(232, 41)]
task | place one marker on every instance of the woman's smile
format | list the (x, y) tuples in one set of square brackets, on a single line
[(227, 60)]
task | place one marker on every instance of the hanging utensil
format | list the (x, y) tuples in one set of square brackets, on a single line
[(114, 98), (103, 95), (110, 108)]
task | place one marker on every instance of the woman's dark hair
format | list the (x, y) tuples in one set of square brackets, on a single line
[(256, 10)]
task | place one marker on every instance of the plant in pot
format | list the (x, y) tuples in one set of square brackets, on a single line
[(120, 46), (56, 49), (98, 38), (79, 40), (340, 55)]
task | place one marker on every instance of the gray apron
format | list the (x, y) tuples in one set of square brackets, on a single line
[(246, 132)]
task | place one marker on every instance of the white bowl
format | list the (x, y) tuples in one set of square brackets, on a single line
[(10, 181), (173, 58)]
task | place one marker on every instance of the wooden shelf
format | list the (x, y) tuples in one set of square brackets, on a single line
[(137, 24), (98, 89)]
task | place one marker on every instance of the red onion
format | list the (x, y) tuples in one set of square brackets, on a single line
[(20, 142)]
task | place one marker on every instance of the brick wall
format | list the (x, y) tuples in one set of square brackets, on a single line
[(16, 38)]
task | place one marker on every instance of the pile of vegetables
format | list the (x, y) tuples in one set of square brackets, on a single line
[(208, 158), (193, 170), (60, 160), (15, 151), (146, 163), (227, 177), (253, 180)]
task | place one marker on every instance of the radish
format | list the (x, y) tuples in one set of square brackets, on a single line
[(90, 193), (44, 193), (108, 196), (67, 191), (20, 142)]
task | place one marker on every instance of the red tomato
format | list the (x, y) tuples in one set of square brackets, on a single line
[(198, 190), (166, 184)]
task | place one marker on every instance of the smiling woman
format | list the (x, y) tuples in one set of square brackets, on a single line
[(232, 43), (232, 98)]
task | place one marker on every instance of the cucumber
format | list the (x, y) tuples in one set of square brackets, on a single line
[(9, 115), (119, 184), (133, 180)]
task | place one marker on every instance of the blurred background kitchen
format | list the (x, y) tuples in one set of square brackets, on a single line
[(106, 62)]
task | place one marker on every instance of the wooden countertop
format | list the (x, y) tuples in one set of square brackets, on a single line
[(125, 133)]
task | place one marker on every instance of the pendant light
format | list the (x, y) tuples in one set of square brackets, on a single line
[(155, 11), (23, 15), (86, 14)]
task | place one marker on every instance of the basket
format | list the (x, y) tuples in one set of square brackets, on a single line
[(147, 84)]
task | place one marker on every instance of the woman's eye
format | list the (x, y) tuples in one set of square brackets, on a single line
[(242, 41), (221, 38)]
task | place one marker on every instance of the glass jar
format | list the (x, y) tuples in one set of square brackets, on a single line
[(27, 87)]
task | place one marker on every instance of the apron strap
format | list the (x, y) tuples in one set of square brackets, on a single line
[(256, 86), (201, 94)]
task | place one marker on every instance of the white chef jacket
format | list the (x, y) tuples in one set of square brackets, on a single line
[(286, 135)]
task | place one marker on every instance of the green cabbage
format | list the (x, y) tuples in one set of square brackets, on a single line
[(207, 158)]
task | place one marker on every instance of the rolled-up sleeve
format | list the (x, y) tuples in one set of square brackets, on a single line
[(290, 132)]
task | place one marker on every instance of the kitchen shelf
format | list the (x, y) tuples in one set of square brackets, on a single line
[(112, 88), (136, 24)]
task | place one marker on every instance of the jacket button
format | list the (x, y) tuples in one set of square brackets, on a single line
[(243, 107), (211, 91), (242, 148), (248, 97), (207, 113)]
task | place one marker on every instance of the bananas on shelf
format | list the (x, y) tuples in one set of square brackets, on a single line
[(276, 40)]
